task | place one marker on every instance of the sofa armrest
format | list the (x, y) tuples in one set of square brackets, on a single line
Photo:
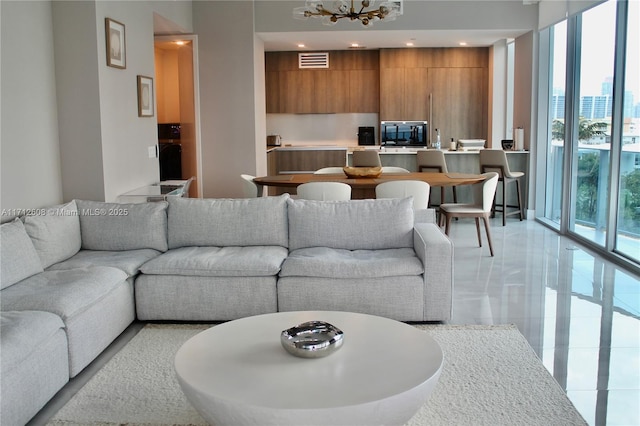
[(424, 215), (435, 250)]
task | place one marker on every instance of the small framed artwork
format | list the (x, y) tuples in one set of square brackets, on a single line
[(116, 44), (145, 96)]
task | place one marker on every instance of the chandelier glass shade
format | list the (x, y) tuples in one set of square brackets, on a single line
[(387, 11)]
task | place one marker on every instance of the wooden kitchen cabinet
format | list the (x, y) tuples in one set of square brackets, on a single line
[(364, 90), (351, 84), (307, 160), (459, 102), (456, 79), (404, 94)]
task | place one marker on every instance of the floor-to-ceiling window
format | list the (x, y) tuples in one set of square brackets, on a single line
[(592, 129), (592, 144), (628, 223), (555, 145)]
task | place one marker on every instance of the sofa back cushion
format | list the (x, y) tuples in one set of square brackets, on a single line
[(56, 234), (224, 222), (113, 226), (18, 256), (351, 225)]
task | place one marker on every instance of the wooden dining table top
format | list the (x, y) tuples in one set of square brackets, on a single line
[(433, 179)]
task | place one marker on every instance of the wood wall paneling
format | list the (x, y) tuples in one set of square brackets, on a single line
[(364, 91), (392, 93), (352, 75), (459, 102)]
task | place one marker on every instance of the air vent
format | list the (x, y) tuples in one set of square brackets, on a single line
[(313, 60)]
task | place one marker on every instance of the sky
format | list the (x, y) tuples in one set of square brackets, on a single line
[(598, 33)]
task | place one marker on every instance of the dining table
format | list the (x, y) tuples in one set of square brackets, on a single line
[(364, 187)]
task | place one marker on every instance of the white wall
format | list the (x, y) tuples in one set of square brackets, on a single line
[(228, 110), (126, 137), (70, 127), (321, 129), (30, 164), (77, 83)]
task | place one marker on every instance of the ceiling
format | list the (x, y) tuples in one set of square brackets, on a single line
[(376, 39)]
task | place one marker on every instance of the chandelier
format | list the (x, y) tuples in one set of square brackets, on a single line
[(388, 10)]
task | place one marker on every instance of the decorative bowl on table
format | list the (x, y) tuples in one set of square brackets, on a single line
[(312, 339), (362, 172)]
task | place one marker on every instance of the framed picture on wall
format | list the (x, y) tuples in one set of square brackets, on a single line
[(145, 96), (116, 44)]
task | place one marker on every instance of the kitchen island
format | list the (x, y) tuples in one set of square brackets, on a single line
[(457, 162), (308, 158)]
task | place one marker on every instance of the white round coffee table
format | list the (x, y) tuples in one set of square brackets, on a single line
[(238, 373)]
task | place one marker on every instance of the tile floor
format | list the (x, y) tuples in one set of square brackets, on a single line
[(580, 313)]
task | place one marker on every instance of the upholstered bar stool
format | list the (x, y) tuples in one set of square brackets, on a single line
[(366, 158), (432, 160), (495, 160)]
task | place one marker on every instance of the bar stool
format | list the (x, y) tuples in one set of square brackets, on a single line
[(432, 160), (495, 160), (366, 158)]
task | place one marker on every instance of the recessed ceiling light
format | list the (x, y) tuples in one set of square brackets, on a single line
[(463, 43), (181, 43), (410, 44), (355, 45), (301, 45)]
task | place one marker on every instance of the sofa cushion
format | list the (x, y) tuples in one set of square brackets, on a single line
[(228, 222), (55, 235), (339, 263), (18, 256), (112, 226), (22, 332), (128, 261), (351, 225), (64, 293), (251, 261)]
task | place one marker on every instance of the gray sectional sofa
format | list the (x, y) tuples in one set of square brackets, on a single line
[(75, 276)]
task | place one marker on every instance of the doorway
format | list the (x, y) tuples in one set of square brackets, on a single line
[(176, 73)]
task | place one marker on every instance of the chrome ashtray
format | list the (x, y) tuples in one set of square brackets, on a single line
[(312, 339)]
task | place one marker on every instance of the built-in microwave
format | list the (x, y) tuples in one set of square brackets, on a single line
[(403, 133)]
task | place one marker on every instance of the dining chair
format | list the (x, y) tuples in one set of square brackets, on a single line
[(432, 160), (495, 160), (394, 169), (329, 171), (324, 191), (366, 158), (249, 188), (418, 189), (186, 187), (483, 195)]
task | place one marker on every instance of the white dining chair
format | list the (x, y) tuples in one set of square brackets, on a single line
[(418, 189), (495, 160), (186, 187), (249, 187), (324, 191), (394, 169), (483, 196), (329, 171)]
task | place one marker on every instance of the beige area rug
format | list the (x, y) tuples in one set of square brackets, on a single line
[(491, 376)]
